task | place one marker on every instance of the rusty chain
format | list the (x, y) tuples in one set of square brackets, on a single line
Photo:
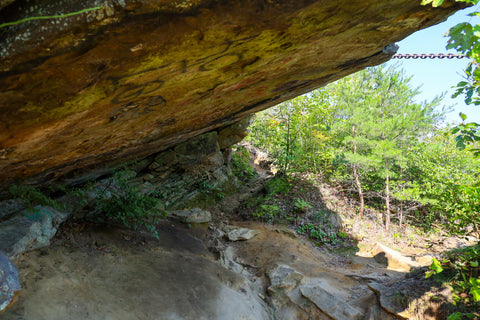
[(425, 56)]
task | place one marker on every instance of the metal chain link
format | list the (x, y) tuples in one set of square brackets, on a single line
[(431, 56)]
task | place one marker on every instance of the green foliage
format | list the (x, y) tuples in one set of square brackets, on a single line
[(442, 182), (462, 268), (455, 316), (377, 119), (295, 132), (435, 268), (468, 135), (241, 167), (128, 206), (316, 233), (278, 185), (210, 189), (267, 212), (366, 133), (32, 197), (302, 205)]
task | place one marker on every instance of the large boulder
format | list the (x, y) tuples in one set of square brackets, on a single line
[(328, 302), (130, 277), (105, 81), (29, 229), (9, 283)]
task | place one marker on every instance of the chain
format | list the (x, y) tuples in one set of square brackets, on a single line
[(431, 56)]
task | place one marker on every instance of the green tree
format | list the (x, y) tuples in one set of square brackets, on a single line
[(295, 132), (377, 119), (442, 183)]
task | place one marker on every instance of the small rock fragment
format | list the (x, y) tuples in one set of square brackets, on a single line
[(195, 215), (241, 234)]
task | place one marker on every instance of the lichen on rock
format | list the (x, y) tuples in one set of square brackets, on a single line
[(135, 77)]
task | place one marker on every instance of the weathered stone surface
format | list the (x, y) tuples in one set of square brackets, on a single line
[(195, 215), (336, 308), (175, 278), (10, 206), (197, 150), (234, 134), (31, 229), (238, 234), (390, 300), (393, 259), (227, 260), (284, 277), (9, 284), (283, 280), (124, 79)]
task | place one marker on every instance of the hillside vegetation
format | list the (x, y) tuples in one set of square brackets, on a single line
[(367, 137)]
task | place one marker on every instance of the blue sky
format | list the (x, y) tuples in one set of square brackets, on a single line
[(435, 76)]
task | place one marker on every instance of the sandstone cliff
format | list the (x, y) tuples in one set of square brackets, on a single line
[(102, 81)]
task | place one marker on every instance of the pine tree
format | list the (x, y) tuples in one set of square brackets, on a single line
[(376, 119)]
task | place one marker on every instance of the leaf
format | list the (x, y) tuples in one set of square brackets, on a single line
[(475, 292), (436, 266), (455, 316), (435, 3), (463, 116), (429, 273)]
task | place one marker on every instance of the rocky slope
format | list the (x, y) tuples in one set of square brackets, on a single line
[(206, 262), (95, 82)]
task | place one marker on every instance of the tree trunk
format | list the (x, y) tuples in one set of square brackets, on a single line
[(287, 148), (387, 197), (357, 178)]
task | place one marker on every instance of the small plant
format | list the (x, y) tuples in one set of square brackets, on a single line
[(342, 234), (321, 216), (32, 197), (462, 268), (267, 212), (317, 233), (210, 189), (302, 205), (128, 206), (241, 167), (278, 185)]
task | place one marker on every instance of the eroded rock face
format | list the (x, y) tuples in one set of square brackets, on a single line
[(9, 284), (29, 229), (120, 79)]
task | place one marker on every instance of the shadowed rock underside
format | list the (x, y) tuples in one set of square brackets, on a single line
[(123, 79)]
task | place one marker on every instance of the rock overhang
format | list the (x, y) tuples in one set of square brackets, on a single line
[(123, 79)]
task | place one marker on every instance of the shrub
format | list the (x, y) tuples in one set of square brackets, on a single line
[(128, 206), (267, 212), (32, 197), (278, 185), (317, 233), (241, 167)]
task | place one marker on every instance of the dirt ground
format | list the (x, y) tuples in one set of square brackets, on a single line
[(100, 272)]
